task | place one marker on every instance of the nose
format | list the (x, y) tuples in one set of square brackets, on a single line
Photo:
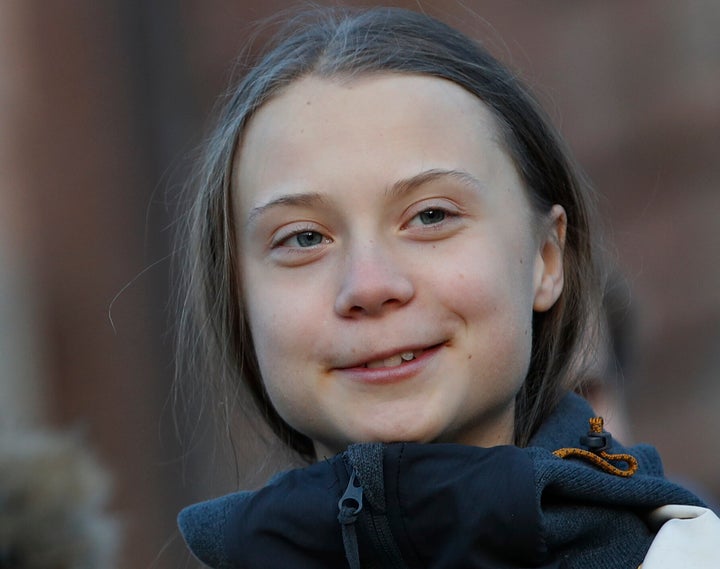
[(373, 283)]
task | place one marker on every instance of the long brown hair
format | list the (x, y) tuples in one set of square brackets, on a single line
[(341, 42)]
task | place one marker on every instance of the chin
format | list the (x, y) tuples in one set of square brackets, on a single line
[(403, 434)]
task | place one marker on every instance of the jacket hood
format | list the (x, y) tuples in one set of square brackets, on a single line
[(441, 506)]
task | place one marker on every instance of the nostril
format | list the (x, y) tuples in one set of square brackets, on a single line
[(373, 308)]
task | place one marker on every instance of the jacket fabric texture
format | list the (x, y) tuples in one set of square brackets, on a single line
[(443, 506)]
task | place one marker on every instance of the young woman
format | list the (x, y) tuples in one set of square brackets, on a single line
[(391, 248)]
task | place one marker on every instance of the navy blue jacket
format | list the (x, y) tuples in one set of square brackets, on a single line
[(442, 506)]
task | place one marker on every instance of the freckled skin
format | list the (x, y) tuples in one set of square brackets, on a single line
[(381, 274)]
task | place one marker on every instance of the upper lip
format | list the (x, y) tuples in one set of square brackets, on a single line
[(360, 361)]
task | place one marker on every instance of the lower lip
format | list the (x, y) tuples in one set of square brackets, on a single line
[(387, 375)]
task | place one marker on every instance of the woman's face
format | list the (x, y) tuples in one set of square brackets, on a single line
[(390, 261)]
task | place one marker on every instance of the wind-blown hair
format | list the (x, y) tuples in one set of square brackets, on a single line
[(345, 43)]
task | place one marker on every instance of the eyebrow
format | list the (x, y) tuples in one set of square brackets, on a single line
[(402, 187), (301, 199), (396, 190)]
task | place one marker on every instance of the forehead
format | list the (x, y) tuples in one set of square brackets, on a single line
[(320, 130)]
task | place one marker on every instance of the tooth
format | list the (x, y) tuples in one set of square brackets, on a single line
[(393, 361)]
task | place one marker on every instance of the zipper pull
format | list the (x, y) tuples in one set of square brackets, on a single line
[(351, 502), (349, 506)]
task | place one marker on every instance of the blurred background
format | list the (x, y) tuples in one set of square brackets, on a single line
[(101, 107)]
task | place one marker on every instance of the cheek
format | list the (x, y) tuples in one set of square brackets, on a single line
[(493, 295), (285, 323), (277, 340), (264, 316), (495, 281)]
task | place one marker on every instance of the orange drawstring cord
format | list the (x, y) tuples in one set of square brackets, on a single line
[(597, 440)]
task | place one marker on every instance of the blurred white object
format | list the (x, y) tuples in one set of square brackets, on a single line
[(688, 537)]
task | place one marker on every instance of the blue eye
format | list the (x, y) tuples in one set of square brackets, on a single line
[(303, 240), (308, 238), (434, 221), (431, 216)]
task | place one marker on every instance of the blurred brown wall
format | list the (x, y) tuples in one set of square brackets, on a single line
[(100, 101), (77, 192)]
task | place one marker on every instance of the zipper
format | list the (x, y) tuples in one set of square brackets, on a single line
[(350, 505), (387, 552), (371, 519)]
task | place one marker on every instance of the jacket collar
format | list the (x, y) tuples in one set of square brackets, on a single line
[(443, 506)]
